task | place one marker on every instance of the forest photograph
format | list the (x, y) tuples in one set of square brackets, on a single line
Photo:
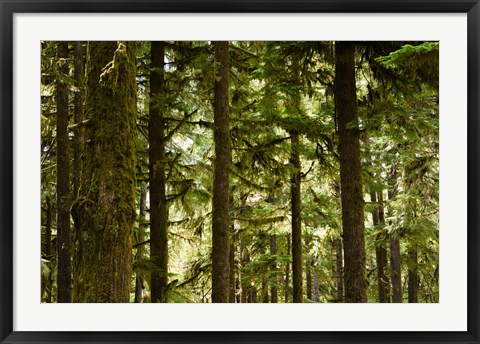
[(239, 172)]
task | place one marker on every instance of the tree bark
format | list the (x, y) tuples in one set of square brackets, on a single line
[(394, 238), (231, 258), (273, 270), (243, 260), (63, 183), (287, 271), (158, 200), (339, 269), (380, 254), (395, 264), (297, 261), (265, 297), (78, 73), (105, 207), (220, 203), (413, 276), (141, 238), (383, 254), (48, 247), (350, 173)]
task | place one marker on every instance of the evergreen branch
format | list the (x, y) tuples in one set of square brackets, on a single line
[(179, 124), (249, 182)]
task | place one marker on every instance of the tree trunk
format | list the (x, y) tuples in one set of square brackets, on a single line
[(287, 271), (243, 260), (412, 276), (105, 206), (297, 261), (394, 238), (231, 259), (316, 289), (380, 254), (350, 173), (63, 183), (395, 264), (78, 74), (383, 254), (220, 204), (158, 200), (273, 270), (339, 269), (141, 238), (309, 268), (48, 247), (265, 289)]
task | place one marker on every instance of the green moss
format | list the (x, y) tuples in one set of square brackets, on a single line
[(105, 208)]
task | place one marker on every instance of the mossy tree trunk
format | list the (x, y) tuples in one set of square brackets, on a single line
[(221, 201), (158, 200), (78, 114), (63, 184), (350, 173), (105, 207)]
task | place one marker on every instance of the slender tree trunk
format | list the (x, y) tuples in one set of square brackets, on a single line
[(383, 254), (78, 73), (308, 268), (297, 261), (231, 258), (265, 289), (380, 254), (287, 270), (63, 188), (105, 207), (141, 238), (48, 247), (316, 289), (220, 204), (158, 199), (394, 238), (350, 173), (243, 259), (413, 276), (395, 268), (339, 269), (273, 269)]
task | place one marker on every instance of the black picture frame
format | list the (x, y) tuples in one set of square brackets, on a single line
[(10, 7)]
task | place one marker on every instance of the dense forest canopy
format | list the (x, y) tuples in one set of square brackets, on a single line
[(240, 171)]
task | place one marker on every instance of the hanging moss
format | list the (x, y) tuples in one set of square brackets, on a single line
[(104, 211)]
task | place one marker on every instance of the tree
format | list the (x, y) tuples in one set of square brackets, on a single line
[(221, 201), (158, 200), (297, 259), (104, 210), (63, 187), (350, 173)]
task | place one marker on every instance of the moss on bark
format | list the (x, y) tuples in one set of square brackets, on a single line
[(104, 210)]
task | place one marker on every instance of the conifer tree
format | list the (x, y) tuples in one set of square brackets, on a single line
[(104, 210), (158, 200), (63, 187), (350, 173), (221, 198)]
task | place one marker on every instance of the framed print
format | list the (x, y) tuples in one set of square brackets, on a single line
[(241, 171)]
